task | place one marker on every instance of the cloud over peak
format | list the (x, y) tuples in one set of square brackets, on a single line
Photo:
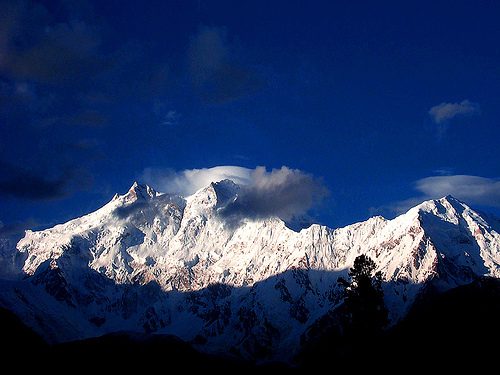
[(189, 181), (444, 112), (286, 193), (471, 189)]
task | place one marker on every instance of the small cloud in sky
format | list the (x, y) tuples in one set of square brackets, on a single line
[(474, 190), (57, 52), (471, 189), (216, 72), (21, 183), (171, 118), (189, 181), (23, 89), (443, 171), (286, 193), (208, 52), (444, 112)]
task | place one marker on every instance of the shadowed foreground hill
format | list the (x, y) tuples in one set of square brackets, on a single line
[(142, 352), (17, 338), (120, 351), (454, 329), (450, 330), (463, 322)]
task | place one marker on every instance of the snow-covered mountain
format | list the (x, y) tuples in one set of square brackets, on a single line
[(162, 263)]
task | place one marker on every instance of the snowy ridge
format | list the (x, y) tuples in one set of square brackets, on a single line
[(162, 263)]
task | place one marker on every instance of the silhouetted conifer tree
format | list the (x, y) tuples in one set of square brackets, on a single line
[(365, 312)]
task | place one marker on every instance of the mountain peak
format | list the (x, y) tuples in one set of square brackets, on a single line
[(140, 192), (216, 194), (451, 199), (446, 203), (225, 187)]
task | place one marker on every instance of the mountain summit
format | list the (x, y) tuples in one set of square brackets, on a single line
[(139, 192), (151, 262)]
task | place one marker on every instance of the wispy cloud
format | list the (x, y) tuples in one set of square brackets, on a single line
[(46, 51), (216, 73), (444, 112), (474, 190), (471, 189), (189, 181), (286, 193), (20, 183), (445, 171), (171, 118), (63, 74)]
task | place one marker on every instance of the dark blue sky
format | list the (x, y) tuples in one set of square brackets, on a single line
[(389, 103)]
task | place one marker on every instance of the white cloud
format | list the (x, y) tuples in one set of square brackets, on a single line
[(470, 189), (474, 190), (443, 171), (171, 118), (284, 192), (189, 181), (444, 112)]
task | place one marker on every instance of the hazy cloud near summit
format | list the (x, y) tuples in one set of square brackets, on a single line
[(444, 112), (473, 190), (284, 192), (189, 181), (470, 189)]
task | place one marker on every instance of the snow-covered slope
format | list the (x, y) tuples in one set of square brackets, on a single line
[(161, 263)]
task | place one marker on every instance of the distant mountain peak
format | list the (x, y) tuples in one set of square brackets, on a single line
[(447, 205), (226, 191), (214, 196), (225, 184), (140, 192), (452, 201)]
